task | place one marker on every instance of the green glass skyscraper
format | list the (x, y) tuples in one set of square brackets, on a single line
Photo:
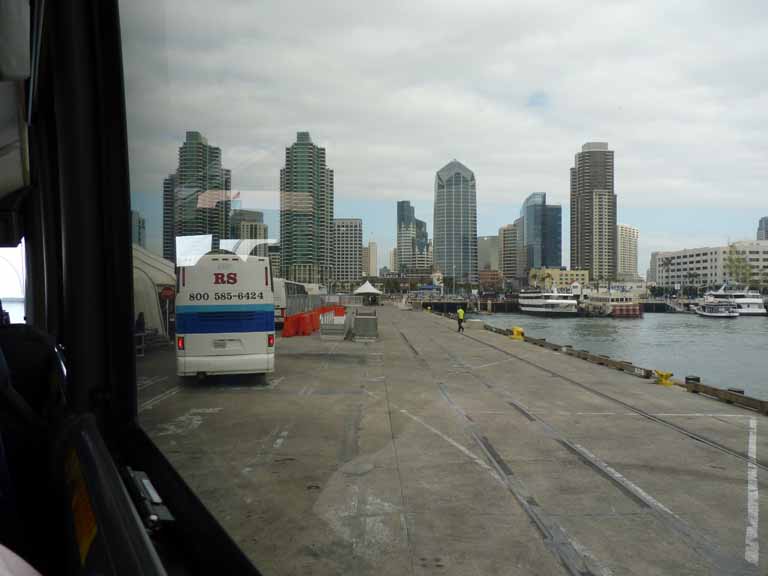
[(306, 213)]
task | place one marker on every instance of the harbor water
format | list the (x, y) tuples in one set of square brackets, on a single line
[(728, 353)]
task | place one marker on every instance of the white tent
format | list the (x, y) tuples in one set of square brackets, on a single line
[(150, 274), (367, 289)]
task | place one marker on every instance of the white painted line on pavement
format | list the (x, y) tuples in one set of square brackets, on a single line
[(751, 543), (468, 453), (147, 381), (491, 364), (642, 494), (159, 398)]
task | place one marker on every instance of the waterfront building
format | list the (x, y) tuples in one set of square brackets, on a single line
[(560, 277), (627, 237), (490, 280), (707, 266), (306, 213), (593, 212), (455, 223)]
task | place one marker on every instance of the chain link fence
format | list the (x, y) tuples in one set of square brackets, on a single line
[(300, 303)]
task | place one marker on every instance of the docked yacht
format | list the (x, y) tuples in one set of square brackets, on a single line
[(712, 308), (552, 303), (748, 302)]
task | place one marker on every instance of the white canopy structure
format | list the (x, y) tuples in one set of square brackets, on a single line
[(367, 289), (150, 274)]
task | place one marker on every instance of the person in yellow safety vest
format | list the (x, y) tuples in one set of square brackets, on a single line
[(460, 317)]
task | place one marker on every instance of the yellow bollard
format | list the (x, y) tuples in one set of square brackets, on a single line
[(429, 308), (663, 378), (517, 333)]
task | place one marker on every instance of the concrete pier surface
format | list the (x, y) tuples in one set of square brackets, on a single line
[(433, 452)]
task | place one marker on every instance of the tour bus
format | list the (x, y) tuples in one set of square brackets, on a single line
[(225, 319), (283, 289)]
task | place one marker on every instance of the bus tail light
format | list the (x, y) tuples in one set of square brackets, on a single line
[(180, 342), (270, 340)]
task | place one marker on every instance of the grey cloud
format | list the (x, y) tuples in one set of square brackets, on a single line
[(395, 91)]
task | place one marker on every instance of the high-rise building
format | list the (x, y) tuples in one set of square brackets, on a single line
[(488, 253), (393, 260), (273, 251), (412, 239), (196, 198), (593, 212), (306, 213), (365, 261), (627, 240), (347, 243), (650, 275), (542, 232), (511, 254), (762, 228), (138, 229), (370, 260), (169, 218), (455, 223), (249, 225)]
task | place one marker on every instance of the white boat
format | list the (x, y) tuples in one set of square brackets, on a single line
[(716, 309), (552, 303), (748, 302)]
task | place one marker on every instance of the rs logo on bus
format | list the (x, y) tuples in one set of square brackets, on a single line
[(228, 278)]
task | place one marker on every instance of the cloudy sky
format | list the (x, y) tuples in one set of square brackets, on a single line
[(512, 89)]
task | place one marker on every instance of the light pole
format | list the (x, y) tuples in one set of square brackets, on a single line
[(454, 280)]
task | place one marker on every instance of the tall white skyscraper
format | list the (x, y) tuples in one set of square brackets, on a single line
[(455, 221), (348, 244), (593, 212), (627, 241), (371, 260)]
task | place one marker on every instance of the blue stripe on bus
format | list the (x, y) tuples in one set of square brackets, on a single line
[(225, 307), (224, 321)]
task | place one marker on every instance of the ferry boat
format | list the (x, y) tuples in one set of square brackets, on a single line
[(717, 309), (616, 305), (552, 303), (748, 302)]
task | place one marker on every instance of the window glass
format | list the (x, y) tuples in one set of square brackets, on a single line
[(12, 282), (318, 188)]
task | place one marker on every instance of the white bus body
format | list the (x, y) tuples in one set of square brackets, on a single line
[(225, 319), (283, 290)]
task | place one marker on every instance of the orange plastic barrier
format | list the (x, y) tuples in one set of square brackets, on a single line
[(315, 320), (306, 324), (290, 326), (338, 311)]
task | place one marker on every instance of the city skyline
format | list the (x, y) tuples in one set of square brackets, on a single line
[(666, 117), (225, 176)]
